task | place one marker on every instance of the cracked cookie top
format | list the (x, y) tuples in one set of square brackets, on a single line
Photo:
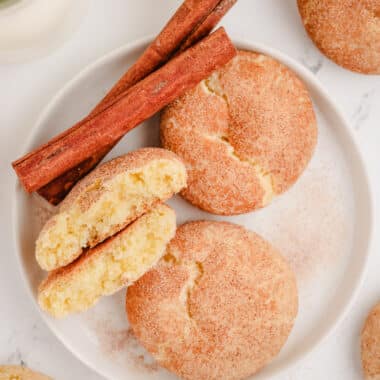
[(245, 134), (219, 305)]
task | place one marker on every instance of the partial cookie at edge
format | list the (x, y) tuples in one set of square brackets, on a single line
[(346, 31), (370, 345)]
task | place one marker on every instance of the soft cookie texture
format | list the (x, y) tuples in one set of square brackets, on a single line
[(111, 265), (15, 372), (346, 31), (107, 200), (370, 345), (219, 305), (245, 134)]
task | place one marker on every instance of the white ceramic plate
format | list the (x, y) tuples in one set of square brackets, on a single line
[(322, 225)]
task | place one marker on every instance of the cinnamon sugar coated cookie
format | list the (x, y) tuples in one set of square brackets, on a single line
[(346, 31), (245, 134), (219, 305), (370, 345), (15, 372), (110, 266), (108, 199)]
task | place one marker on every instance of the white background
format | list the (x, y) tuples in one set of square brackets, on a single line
[(25, 89)]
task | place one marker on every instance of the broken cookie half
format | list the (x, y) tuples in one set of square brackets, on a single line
[(111, 265), (106, 201)]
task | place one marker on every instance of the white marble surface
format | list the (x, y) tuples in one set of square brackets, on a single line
[(26, 88)]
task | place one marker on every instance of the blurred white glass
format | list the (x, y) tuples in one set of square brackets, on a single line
[(32, 28)]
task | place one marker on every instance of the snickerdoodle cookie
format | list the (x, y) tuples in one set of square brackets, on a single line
[(245, 134), (15, 372), (219, 305), (108, 267), (370, 345), (113, 195), (346, 31)]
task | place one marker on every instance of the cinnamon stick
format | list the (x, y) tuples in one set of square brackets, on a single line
[(193, 20), (190, 14), (209, 23), (93, 135)]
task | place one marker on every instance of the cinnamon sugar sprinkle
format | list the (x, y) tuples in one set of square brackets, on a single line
[(312, 234), (122, 346)]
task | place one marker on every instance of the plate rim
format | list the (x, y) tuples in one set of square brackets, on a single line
[(242, 43)]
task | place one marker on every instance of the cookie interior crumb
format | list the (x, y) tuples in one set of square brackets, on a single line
[(126, 194), (108, 267)]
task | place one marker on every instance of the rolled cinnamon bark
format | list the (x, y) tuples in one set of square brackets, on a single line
[(190, 14), (197, 16), (93, 135), (208, 24)]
